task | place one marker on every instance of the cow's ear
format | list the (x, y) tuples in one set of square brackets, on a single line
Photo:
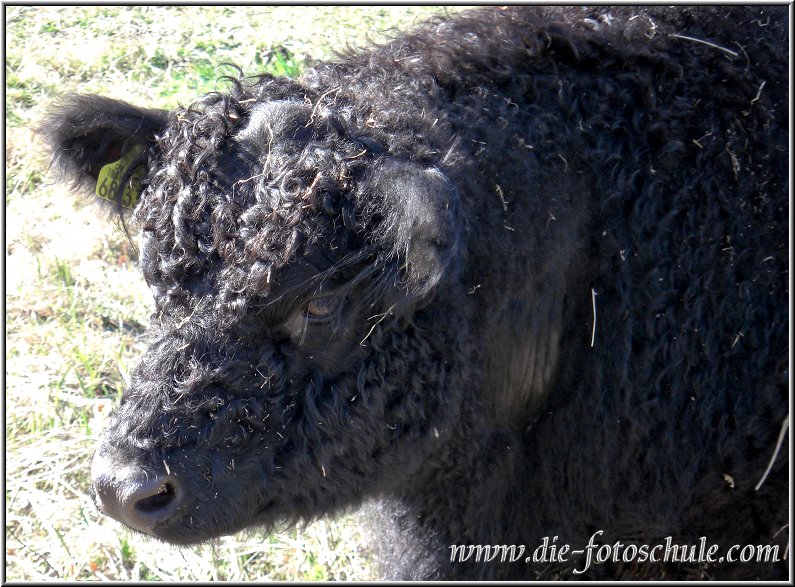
[(100, 144), (418, 208)]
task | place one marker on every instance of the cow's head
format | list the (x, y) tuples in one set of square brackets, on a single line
[(301, 272)]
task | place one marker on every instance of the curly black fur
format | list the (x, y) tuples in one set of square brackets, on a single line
[(379, 282)]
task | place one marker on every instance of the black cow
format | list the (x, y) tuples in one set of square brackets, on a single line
[(518, 275)]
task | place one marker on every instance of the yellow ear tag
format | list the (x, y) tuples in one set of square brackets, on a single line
[(112, 174)]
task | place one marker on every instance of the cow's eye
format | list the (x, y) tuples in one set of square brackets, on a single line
[(322, 307)]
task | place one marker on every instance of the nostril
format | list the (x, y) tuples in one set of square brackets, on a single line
[(141, 498), (149, 503), (163, 496)]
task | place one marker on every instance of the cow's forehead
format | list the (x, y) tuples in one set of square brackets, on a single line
[(261, 181), (276, 120)]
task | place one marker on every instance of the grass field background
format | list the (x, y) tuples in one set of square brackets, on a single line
[(76, 304)]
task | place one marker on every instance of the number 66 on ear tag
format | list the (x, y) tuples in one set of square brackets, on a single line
[(112, 174)]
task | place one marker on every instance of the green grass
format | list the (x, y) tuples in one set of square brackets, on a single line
[(76, 305)]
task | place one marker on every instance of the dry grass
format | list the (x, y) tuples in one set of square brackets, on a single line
[(76, 304)]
